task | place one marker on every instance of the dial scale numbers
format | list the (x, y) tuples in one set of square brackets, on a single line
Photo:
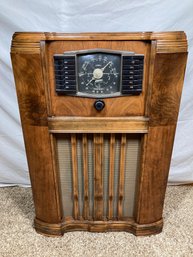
[(98, 74)]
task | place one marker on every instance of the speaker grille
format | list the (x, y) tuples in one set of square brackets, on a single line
[(98, 174)]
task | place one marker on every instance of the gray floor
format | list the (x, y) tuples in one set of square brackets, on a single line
[(18, 238)]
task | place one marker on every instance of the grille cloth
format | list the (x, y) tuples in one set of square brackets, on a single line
[(132, 156)]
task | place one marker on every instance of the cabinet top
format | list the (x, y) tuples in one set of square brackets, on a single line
[(38, 36)]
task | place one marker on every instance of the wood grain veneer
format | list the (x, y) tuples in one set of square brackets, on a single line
[(152, 115)]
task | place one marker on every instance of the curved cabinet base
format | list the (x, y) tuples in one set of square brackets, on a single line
[(98, 226)]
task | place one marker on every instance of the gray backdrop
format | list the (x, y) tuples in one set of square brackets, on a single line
[(89, 16)]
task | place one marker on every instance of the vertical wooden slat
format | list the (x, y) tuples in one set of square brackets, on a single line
[(111, 175), (121, 175), (75, 175), (98, 176), (56, 173), (85, 174)]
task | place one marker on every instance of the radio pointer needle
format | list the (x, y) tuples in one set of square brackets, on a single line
[(105, 66), (90, 81)]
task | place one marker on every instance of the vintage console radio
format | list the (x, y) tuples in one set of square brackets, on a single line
[(99, 113)]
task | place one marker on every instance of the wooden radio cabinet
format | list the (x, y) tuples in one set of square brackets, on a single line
[(99, 114)]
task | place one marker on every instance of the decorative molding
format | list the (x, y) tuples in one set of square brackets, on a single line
[(28, 36), (98, 226), (146, 35), (168, 35), (171, 46), (167, 42), (99, 36), (25, 47), (98, 125)]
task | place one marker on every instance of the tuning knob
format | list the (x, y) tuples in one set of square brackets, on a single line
[(99, 105)]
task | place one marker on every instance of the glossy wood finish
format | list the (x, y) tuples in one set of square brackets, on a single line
[(121, 176), (118, 106), (31, 37), (85, 171), (98, 226), (163, 112), (32, 103), (98, 176), (153, 114), (98, 125), (75, 176), (154, 173), (111, 175)]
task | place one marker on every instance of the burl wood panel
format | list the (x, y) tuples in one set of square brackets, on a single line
[(33, 111), (117, 106)]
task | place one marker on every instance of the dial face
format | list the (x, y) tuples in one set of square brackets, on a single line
[(99, 73)]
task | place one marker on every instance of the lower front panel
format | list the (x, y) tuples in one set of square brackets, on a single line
[(98, 175)]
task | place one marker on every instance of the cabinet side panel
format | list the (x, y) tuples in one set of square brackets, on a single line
[(167, 88), (158, 144), (33, 111)]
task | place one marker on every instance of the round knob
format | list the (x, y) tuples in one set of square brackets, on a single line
[(99, 105)]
